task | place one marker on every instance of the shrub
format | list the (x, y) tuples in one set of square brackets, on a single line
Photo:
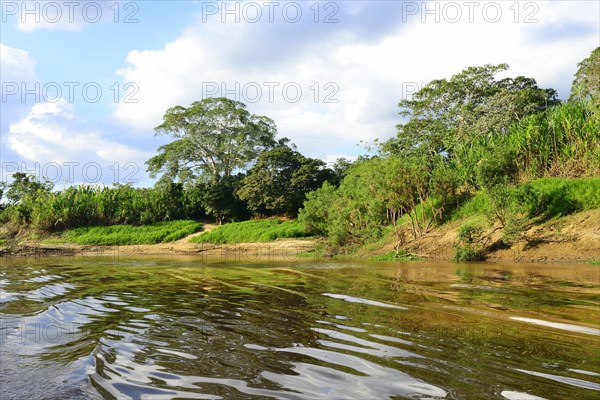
[(467, 253), (469, 246)]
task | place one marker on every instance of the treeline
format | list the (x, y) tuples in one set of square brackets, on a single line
[(467, 136), (471, 135), (224, 164), (384, 191), (276, 185)]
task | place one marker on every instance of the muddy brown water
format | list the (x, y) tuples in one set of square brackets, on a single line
[(154, 328)]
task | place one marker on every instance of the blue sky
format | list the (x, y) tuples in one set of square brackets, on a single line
[(329, 73)]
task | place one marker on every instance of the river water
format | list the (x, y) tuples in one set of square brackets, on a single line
[(154, 328)]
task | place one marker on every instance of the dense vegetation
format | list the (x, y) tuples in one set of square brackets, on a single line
[(505, 151), (126, 234), (84, 206), (253, 231), (471, 141)]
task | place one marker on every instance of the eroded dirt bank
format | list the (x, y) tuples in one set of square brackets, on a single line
[(574, 238)]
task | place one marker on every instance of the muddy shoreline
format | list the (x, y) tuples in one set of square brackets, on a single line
[(288, 249)]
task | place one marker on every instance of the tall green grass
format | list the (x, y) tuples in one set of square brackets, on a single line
[(252, 231), (128, 234), (83, 206), (545, 197), (563, 141)]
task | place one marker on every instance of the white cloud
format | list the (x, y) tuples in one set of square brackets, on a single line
[(16, 64), (51, 133), (371, 76)]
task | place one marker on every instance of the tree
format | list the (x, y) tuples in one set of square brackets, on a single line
[(340, 170), (319, 204), (445, 114), (280, 179), (24, 185), (496, 174), (220, 201), (213, 137), (587, 79), (2, 188)]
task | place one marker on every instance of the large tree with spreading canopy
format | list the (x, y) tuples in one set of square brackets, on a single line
[(214, 138)]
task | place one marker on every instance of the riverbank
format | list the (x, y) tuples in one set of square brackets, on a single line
[(283, 249), (573, 238)]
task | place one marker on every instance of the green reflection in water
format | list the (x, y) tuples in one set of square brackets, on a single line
[(188, 329)]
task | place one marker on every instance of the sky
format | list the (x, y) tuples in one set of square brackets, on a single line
[(83, 83)]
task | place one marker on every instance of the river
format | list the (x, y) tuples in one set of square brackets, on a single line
[(185, 328)]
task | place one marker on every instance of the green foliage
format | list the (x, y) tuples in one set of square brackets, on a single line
[(24, 185), (554, 197), (447, 114), (563, 141), (264, 230), (218, 198), (340, 170), (393, 256), (88, 205), (587, 79), (213, 137), (469, 247), (2, 188), (381, 192), (515, 225), (496, 174), (279, 181), (473, 146), (466, 253), (315, 215), (128, 234), (470, 233), (497, 169), (544, 198)]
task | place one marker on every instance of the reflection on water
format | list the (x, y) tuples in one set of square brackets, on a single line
[(154, 329), (557, 325)]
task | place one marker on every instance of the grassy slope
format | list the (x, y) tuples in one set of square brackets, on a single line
[(127, 234), (560, 197), (252, 231)]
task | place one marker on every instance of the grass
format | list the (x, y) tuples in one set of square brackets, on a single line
[(127, 234), (562, 196), (2, 242), (550, 197), (264, 230), (392, 256)]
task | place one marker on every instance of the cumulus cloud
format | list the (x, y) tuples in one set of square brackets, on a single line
[(369, 77), (16, 64), (51, 133), (17, 70)]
